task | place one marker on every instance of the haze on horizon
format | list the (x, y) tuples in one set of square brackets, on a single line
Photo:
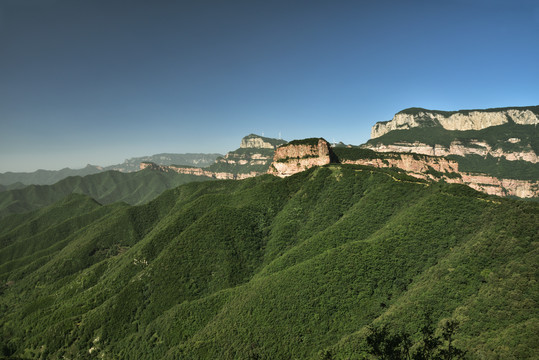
[(101, 81)]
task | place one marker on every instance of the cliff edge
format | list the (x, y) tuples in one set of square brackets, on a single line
[(461, 120), (300, 155)]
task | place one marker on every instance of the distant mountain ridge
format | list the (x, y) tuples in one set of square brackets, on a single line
[(49, 177), (252, 158), (105, 187)]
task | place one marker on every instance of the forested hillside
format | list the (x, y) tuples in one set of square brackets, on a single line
[(106, 187), (305, 267)]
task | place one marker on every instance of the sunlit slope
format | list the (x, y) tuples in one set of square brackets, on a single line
[(271, 268)]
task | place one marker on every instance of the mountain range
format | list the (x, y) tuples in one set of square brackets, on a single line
[(49, 177), (302, 250)]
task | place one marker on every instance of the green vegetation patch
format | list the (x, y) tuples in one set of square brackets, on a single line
[(308, 141), (497, 167), (417, 110)]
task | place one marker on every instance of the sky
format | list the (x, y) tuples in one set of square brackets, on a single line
[(100, 81)]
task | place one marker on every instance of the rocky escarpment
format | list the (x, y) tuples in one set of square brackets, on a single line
[(459, 148), (440, 168), (497, 148), (252, 158), (197, 171), (253, 141), (457, 120), (300, 155)]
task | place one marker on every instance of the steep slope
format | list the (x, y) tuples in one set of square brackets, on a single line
[(271, 268), (106, 188)]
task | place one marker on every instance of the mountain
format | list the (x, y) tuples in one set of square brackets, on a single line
[(297, 267), (495, 149), (461, 120), (253, 158), (46, 177), (300, 155), (49, 177), (197, 160), (105, 187), (13, 186)]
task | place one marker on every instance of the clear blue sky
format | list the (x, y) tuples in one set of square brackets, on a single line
[(98, 81)]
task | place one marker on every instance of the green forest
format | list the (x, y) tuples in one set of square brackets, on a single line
[(106, 187), (337, 262)]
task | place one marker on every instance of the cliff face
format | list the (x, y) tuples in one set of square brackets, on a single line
[(299, 156), (439, 168), (251, 159), (253, 141), (498, 148), (460, 120), (459, 148), (197, 171)]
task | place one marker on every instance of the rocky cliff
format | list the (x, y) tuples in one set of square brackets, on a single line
[(253, 141), (460, 148), (496, 149), (300, 155), (440, 168), (252, 158), (457, 120)]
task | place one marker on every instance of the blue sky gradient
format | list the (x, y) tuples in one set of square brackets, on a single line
[(100, 81)]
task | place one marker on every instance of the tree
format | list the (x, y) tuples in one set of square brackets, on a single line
[(387, 346)]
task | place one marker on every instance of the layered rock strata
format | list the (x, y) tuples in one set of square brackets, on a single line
[(252, 158), (473, 147), (459, 120), (439, 168), (299, 156)]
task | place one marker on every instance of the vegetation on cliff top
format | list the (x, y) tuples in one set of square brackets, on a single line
[(495, 136), (417, 110), (271, 268), (308, 141), (272, 141)]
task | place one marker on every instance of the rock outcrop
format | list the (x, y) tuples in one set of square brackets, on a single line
[(198, 171), (499, 136), (300, 155), (439, 168), (253, 141), (252, 158), (459, 148), (457, 120)]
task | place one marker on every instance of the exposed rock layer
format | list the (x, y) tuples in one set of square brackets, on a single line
[(468, 120), (474, 147), (296, 157), (439, 168)]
